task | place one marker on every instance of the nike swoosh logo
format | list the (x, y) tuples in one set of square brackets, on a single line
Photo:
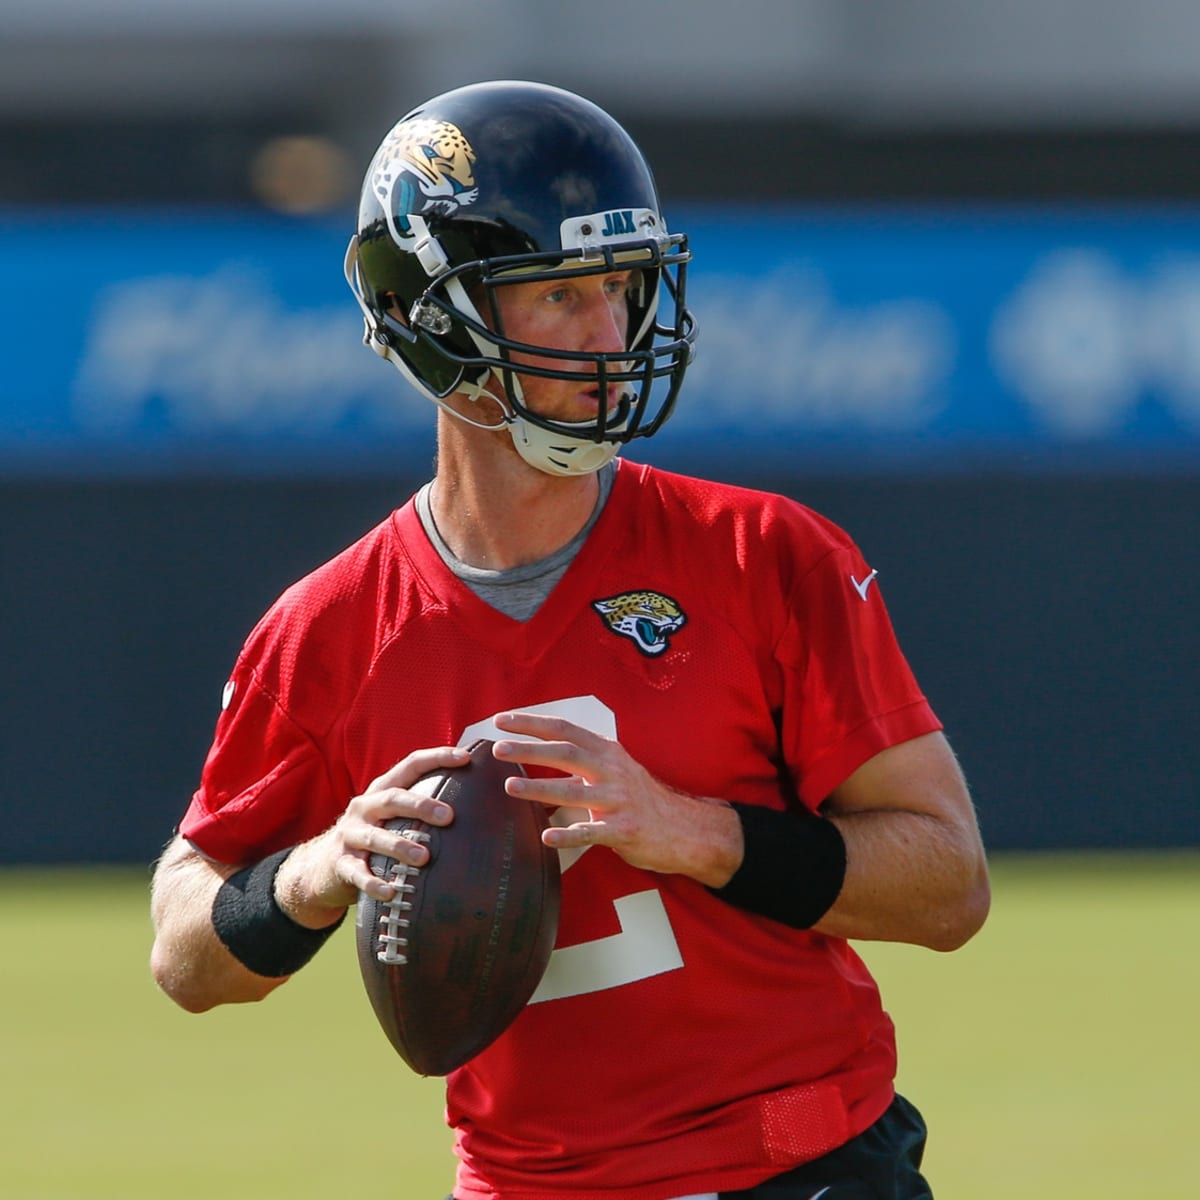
[(818, 1195), (861, 589)]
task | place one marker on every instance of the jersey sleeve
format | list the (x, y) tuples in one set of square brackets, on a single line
[(265, 784), (850, 692), (276, 773)]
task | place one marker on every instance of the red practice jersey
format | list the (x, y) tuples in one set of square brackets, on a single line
[(737, 645)]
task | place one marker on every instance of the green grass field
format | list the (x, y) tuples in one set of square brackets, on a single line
[(1056, 1057)]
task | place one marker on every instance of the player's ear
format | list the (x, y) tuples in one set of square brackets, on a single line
[(394, 310)]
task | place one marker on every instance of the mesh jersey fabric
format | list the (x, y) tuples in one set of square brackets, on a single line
[(683, 1045)]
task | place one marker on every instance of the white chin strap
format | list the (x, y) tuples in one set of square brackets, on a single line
[(555, 451), (557, 454), (551, 451)]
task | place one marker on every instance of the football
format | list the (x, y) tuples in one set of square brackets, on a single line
[(449, 963)]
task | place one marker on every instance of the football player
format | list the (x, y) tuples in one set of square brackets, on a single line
[(701, 681)]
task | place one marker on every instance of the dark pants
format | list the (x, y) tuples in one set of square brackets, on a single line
[(882, 1163)]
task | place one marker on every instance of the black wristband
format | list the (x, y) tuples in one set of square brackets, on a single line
[(792, 868), (255, 930)]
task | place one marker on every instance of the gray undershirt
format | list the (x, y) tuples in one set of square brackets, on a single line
[(518, 592)]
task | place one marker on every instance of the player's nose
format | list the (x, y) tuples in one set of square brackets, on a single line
[(606, 323)]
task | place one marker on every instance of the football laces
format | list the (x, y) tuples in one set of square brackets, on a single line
[(391, 939)]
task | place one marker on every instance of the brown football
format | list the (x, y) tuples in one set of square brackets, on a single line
[(451, 961)]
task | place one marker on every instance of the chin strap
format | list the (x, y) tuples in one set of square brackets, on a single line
[(558, 453), (551, 451)]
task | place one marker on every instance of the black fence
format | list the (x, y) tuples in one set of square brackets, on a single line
[(1051, 620)]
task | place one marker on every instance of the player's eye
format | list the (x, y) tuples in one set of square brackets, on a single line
[(628, 283)]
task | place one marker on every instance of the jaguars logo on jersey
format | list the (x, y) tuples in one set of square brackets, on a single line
[(423, 167), (648, 619)]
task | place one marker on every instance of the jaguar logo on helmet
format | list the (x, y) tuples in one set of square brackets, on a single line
[(648, 619), (423, 167)]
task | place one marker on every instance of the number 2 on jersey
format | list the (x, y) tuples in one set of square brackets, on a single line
[(646, 944)]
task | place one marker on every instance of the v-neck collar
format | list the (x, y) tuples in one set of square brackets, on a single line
[(496, 630)]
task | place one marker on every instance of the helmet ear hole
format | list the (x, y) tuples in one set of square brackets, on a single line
[(391, 304)]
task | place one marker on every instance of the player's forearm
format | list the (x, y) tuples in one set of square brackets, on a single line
[(910, 877), (188, 960)]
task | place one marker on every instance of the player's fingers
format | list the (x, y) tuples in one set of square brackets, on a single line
[(556, 756), (404, 845), (420, 762), (570, 837), (376, 807), (354, 866), (549, 729), (401, 802), (354, 871), (571, 791)]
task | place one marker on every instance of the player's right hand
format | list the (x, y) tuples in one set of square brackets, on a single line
[(328, 872)]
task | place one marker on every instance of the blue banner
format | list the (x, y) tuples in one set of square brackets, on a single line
[(930, 339)]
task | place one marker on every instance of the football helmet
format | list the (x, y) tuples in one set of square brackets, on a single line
[(513, 182)]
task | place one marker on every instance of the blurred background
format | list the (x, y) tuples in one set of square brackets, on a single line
[(947, 275)]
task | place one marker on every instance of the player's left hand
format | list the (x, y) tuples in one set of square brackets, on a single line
[(650, 825)]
